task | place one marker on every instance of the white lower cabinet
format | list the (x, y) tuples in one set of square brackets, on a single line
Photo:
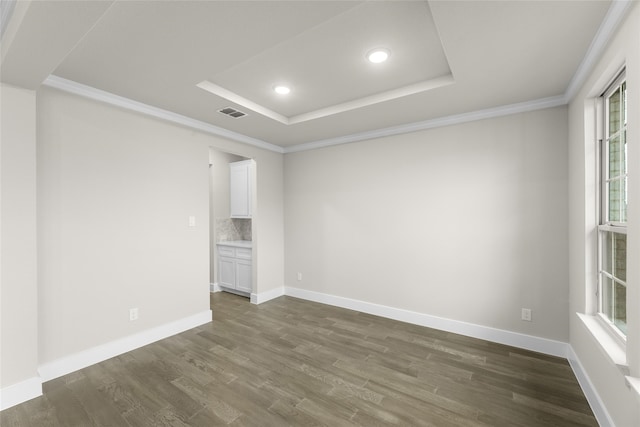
[(227, 272), (243, 275), (234, 268)]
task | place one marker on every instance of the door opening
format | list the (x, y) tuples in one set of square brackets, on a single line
[(231, 213)]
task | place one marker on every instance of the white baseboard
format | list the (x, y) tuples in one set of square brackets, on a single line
[(20, 392), (214, 287), (74, 362), (266, 296), (515, 339), (597, 406), (528, 342), (32, 388)]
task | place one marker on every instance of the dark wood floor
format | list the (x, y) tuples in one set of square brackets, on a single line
[(293, 362)]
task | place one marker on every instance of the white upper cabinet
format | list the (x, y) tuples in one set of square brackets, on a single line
[(241, 188)]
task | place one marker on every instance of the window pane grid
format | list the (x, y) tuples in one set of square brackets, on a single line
[(612, 252), (614, 278), (616, 189), (615, 165), (613, 275), (613, 303)]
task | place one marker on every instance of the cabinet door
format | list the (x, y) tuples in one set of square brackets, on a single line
[(243, 275), (240, 189), (227, 272)]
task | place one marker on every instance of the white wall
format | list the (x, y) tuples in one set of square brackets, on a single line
[(18, 286), (115, 193), (115, 190), (466, 222), (623, 406)]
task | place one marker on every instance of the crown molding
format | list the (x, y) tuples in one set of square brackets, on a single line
[(237, 99), (5, 15), (328, 111), (488, 113), (374, 99), (139, 107), (149, 110), (616, 13)]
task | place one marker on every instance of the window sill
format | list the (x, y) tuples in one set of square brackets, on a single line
[(615, 351), (612, 348)]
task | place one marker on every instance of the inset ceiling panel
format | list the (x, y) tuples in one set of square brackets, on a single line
[(326, 65), (156, 51)]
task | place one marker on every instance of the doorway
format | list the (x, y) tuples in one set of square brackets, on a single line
[(231, 251)]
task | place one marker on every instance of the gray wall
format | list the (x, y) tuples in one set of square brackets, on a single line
[(18, 254), (465, 222), (115, 190)]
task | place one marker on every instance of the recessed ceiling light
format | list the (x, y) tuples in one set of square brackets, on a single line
[(378, 55), (282, 90)]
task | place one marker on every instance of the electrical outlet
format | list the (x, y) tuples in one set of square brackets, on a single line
[(526, 314), (299, 277), (192, 221), (133, 314)]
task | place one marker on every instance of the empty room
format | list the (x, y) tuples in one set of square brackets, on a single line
[(327, 213)]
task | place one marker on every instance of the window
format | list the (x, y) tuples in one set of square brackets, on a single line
[(612, 228)]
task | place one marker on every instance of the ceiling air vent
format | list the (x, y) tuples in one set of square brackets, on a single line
[(232, 112)]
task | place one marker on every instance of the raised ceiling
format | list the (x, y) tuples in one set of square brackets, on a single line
[(194, 58), (327, 68)]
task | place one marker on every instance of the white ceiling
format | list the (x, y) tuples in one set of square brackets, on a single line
[(447, 58)]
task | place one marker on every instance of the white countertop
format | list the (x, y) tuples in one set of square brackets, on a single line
[(236, 243)]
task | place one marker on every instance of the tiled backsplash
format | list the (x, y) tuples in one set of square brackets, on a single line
[(228, 229)]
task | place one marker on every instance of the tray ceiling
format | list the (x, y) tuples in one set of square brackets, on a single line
[(447, 58)]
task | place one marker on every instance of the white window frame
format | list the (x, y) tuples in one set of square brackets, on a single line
[(604, 224)]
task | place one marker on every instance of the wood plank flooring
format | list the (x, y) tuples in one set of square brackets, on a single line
[(290, 362)]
